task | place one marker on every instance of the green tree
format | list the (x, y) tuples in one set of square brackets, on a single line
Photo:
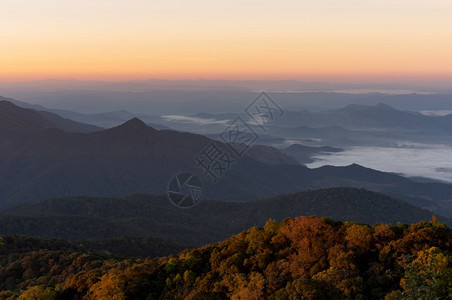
[(426, 277)]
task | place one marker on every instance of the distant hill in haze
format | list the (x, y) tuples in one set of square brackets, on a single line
[(352, 125), (110, 119), (144, 215), (102, 120), (19, 125), (303, 154), (358, 116), (15, 118), (385, 116), (191, 96), (351, 117), (356, 125)]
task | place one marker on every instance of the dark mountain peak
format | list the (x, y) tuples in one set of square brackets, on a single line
[(356, 166), (134, 125)]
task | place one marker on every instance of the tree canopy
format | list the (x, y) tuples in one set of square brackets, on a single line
[(299, 258)]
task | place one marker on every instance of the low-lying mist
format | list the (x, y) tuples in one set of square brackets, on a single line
[(429, 161)]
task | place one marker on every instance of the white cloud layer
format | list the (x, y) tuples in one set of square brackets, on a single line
[(195, 120), (430, 161)]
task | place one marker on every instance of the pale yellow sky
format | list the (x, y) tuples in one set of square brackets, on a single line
[(224, 39)]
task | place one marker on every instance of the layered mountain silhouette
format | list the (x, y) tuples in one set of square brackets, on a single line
[(126, 159), (47, 162), (17, 125), (363, 125), (17, 119), (367, 116), (352, 125)]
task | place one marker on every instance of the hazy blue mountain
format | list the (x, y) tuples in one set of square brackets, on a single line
[(127, 159), (193, 96), (135, 158), (103, 120), (14, 118), (303, 154), (111, 119), (361, 125), (352, 125), (357, 116)]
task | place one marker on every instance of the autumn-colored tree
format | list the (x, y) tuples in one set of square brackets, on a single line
[(359, 237), (110, 287), (427, 277), (253, 289), (301, 258), (38, 293), (383, 234), (310, 239)]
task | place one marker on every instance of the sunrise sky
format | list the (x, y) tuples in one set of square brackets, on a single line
[(240, 39)]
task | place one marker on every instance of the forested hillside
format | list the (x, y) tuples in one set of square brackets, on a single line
[(301, 258), (211, 221)]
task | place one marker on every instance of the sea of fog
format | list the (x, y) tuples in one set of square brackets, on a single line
[(430, 161)]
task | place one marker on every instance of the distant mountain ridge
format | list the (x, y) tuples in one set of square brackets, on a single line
[(99, 120), (303, 154), (355, 116), (125, 159), (354, 125), (351, 125), (13, 117), (135, 158)]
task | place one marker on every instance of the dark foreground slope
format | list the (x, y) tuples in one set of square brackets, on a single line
[(144, 215), (302, 258)]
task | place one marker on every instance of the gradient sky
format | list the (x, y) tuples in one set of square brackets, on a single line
[(296, 39)]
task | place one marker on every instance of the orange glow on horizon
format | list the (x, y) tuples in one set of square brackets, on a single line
[(245, 39)]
